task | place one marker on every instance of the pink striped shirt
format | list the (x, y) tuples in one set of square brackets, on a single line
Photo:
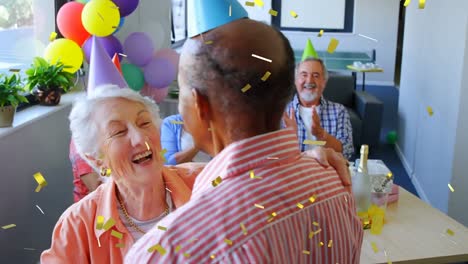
[(224, 223)]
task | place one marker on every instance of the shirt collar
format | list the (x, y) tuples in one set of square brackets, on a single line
[(297, 102)]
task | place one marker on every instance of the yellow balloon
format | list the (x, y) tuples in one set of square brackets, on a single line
[(100, 17), (67, 52)]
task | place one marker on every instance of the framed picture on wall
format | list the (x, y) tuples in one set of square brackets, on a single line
[(314, 15)]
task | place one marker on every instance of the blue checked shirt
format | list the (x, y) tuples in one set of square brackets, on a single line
[(334, 118)]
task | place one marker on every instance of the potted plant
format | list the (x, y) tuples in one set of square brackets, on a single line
[(11, 89), (48, 81)]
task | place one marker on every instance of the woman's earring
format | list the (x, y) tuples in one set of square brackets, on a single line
[(105, 171)]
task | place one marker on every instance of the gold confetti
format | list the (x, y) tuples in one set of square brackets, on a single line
[(99, 222), (248, 3), (213, 256), (177, 122), (374, 247), (429, 111), (450, 187), (422, 4), (333, 45), (110, 223), (246, 88), (313, 198), (208, 42), (32, 249), (266, 76), (259, 206), (120, 245), (8, 226), (314, 142), (321, 243), (311, 234), (259, 3), (52, 36), (14, 70), (177, 248), (389, 175), (407, 2), (318, 231), (228, 241), (315, 223), (330, 243), (300, 205), (450, 232), (217, 181), (320, 33), (244, 230), (187, 255), (261, 58), (158, 248), (272, 216), (40, 181), (273, 12), (306, 252), (162, 228), (293, 14), (377, 224), (116, 234), (147, 145), (252, 175)]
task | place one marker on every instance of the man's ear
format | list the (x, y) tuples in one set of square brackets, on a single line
[(202, 105)]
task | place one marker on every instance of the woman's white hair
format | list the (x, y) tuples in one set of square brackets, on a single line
[(84, 128)]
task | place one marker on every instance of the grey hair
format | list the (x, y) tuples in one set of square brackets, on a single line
[(324, 68), (83, 127)]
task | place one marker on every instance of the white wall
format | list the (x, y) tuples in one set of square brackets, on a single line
[(434, 59)]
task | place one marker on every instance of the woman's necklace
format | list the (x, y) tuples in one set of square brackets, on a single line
[(130, 221)]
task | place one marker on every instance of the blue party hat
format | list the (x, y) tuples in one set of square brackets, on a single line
[(205, 15)]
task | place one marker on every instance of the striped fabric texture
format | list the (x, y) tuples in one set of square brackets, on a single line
[(259, 201)]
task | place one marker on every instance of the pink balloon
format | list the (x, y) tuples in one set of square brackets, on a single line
[(158, 94), (169, 54)]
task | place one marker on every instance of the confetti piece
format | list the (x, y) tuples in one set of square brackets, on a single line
[(99, 222), (450, 232), (123, 55), (187, 255), (373, 39), (116, 234), (208, 42), (273, 12), (311, 234), (430, 111), (193, 240), (99, 242), (14, 70), (99, 14), (451, 188), (320, 33), (52, 36), (8, 226), (259, 206), (147, 145), (259, 3), (422, 4), (272, 158), (315, 223), (158, 248), (40, 209), (105, 172), (313, 198), (252, 175), (213, 256), (167, 188), (321, 244), (217, 181), (40, 181), (318, 231), (248, 3), (244, 230), (374, 247), (177, 248), (306, 252), (120, 245), (293, 14), (246, 88), (330, 243), (333, 45), (31, 249), (162, 228), (314, 142), (228, 241), (407, 2), (272, 216), (389, 175), (266, 76), (300, 205), (261, 58), (230, 10), (110, 223)]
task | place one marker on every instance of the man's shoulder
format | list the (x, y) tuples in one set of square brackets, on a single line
[(333, 105)]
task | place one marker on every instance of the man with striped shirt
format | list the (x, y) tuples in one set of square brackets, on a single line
[(259, 200)]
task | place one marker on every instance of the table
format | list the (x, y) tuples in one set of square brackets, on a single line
[(415, 232), (340, 60)]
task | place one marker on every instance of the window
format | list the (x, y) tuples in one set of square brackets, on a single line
[(314, 15), (178, 22)]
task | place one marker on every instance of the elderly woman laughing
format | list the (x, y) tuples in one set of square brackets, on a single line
[(117, 132)]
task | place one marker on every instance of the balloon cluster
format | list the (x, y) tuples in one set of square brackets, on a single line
[(147, 70)]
